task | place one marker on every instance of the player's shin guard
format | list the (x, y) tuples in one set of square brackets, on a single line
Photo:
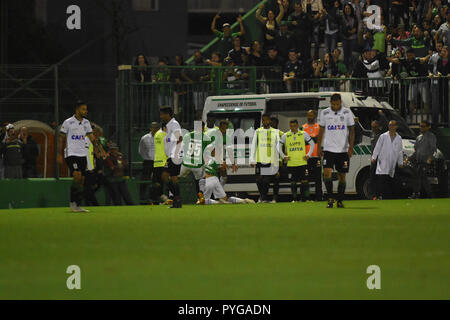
[(294, 190), (305, 190), (341, 190), (211, 201), (329, 186), (236, 200)]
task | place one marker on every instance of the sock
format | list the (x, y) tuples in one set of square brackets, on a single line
[(341, 190), (76, 193), (305, 190), (211, 201), (197, 186), (201, 185), (329, 186), (223, 181), (235, 200), (294, 190), (174, 187)]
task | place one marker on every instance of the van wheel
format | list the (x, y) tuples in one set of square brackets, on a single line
[(362, 184)]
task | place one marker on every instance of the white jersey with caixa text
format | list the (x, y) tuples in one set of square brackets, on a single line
[(76, 134), (336, 125)]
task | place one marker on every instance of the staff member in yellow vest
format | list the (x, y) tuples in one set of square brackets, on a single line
[(160, 168), (295, 141), (314, 162), (276, 183), (264, 155)]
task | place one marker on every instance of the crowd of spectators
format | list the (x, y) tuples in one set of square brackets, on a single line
[(312, 39)]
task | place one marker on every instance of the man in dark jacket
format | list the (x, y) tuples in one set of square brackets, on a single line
[(421, 159), (12, 150), (30, 154), (300, 23), (273, 73)]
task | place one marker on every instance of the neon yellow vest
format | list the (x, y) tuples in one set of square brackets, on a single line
[(266, 151), (91, 159), (295, 149), (160, 154)]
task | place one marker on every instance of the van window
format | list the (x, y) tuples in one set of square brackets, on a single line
[(289, 109), (239, 120), (292, 105)]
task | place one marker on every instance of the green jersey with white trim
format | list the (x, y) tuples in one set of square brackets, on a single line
[(212, 167), (194, 144)]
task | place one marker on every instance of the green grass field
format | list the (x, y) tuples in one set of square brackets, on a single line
[(263, 251)]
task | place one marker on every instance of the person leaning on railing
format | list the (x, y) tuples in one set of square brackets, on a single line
[(440, 71), (415, 67), (142, 70)]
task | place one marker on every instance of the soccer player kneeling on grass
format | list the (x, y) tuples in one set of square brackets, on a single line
[(294, 142), (213, 186), (194, 144), (337, 135)]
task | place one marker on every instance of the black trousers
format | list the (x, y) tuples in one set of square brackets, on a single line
[(373, 181), (421, 182), (118, 190), (29, 171), (91, 182), (385, 186), (315, 174), (147, 170)]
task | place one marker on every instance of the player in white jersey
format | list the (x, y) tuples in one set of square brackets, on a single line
[(336, 136), (73, 134), (172, 145)]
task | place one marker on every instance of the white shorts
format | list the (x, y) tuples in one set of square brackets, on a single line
[(198, 173), (213, 186)]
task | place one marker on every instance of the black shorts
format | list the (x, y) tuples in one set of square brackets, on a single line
[(174, 169), (339, 161), (76, 164), (297, 173)]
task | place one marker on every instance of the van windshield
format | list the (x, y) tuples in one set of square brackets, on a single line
[(238, 120), (367, 115)]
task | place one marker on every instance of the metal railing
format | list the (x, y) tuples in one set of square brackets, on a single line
[(414, 98)]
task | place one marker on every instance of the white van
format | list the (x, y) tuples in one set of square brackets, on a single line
[(244, 112)]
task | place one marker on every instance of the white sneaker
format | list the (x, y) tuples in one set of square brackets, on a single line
[(72, 206), (80, 209), (273, 201), (293, 201), (247, 200)]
